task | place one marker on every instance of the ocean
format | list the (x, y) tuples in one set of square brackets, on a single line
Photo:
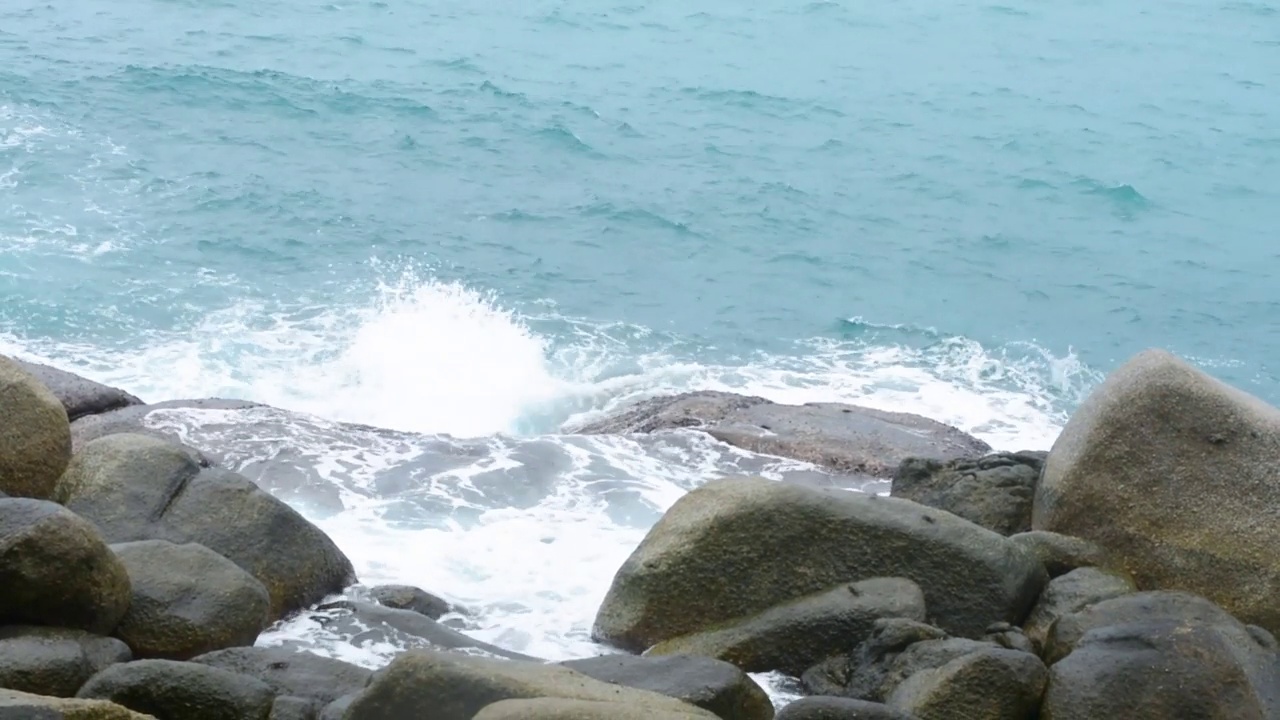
[(466, 227)]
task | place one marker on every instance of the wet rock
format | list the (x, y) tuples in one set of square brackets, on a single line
[(54, 661), (838, 708), (35, 438), (17, 705), (79, 396), (994, 491), (188, 600), (991, 684), (367, 623), (406, 597), (843, 438), (138, 420), (563, 709), (1062, 553), (292, 673), (172, 690), (702, 681), (793, 636), (1071, 593), (736, 547), (56, 570), (457, 686), (136, 487), (1175, 473)]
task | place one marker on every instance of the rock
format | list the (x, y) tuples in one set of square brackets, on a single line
[(287, 672), (793, 636), (136, 487), (188, 600), (16, 705), (288, 707), (994, 684), (1177, 475), (562, 709), (1070, 594), (173, 690), (337, 709), (1009, 637), (733, 548), (838, 708), (994, 491), (457, 686), (79, 396), (35, 437), (54, 661), (1062, 553), (405, 597), (39, 542), (702, 681), (365, 623), (1149, 667), (844, 438), (137, 420)]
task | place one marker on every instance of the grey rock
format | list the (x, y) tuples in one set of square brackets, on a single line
[(35, 439), (1072, 593), (287, 707), (18, 705), (708, 683), (292, 673), (839, 708), (994, 491), (172, 690), (991, 684), (79, 396), (371, 623), (406, 597), (568, 709), (54, 661), (1062, 553), (133, 420)]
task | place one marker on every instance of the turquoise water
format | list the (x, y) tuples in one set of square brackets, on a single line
[(475, 218)]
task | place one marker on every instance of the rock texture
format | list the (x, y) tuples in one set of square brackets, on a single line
[(565, 709), (136, 420), (56, 570), (837, 708), (369, 622), (172, 690), (1062, 553), (994, 491), (844, 438), (739, 546), (136, 487), (407, 597), (994, 684), (35, 437), (188, 600), (16, 705), (79, 396), (1071, 593), (793, 636), (291, 673), (1177, 475), (710, 684), (54, 661)]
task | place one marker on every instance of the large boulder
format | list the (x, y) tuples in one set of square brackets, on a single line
[(710, 684), (566, 709), (188, 600), (35, 435), (793, 636), (457, 686), (994, 684), (994, 491), (56, 570), (844, 438), (1177, 475), (79, 396), (1071, 593), (291, 673), (173, 690), (738, 546), (54, 661), (822, 707), (136, 487), (18, 705)]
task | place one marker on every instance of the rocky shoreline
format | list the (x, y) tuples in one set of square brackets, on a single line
[(1126, 573)]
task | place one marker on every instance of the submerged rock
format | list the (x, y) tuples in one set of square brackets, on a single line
[(1177, 475), (736, 547), (172, 690), (708, 683), (54, 661), (843, 438), (79, 396), (994, 491), (35, 437)]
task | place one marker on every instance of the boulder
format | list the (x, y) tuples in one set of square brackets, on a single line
[(291, 673), (994, 491), (35, 437), (1010, 637), (564, 709), (363, 623), (992, 684), (1062, 553), (1071, 593), (838, 708), (1164, 666), (1177, 475), (173, 690), (708, 683), (136, 487), (735, 547), (54, 661), (406, 597), (457, 686), (791, 637), (17, 705), (843, 438), (79, 396), (56, 570), (288, 707), (188, 600)]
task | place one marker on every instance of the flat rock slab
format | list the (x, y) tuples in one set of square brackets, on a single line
[(80, 396), (844, 438), (132, 419)]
